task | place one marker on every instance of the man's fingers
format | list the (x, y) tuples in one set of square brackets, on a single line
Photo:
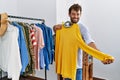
[(107, 61), (58, 26)]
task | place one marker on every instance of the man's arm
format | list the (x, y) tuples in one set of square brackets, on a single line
[(108, 61), (91, 44), (88, 40)]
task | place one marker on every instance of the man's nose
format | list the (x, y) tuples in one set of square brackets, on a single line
[(75, 16)]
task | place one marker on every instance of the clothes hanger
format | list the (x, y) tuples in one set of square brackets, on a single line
[(68, 24)]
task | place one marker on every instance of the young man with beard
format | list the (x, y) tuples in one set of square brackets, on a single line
[(75, 12)]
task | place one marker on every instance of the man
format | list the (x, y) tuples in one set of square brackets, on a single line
[(75, 12)]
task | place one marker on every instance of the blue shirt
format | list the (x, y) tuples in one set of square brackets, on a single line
[(41, 61), (22, 47), (51, 45), (45, 49)]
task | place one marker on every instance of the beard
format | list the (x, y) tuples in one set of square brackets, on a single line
[(74, 20)]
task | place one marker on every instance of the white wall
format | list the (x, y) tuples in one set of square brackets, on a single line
[(38, 8), (102, 17), (9, 6)]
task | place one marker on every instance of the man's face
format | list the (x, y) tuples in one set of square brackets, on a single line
[(74, 16)]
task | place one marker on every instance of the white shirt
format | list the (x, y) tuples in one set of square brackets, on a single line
[(9, 53), (87, 38)]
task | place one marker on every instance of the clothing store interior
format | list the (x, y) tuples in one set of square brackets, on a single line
[(59, 40)]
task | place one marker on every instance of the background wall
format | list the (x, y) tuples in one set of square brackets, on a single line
[(38, 8), (9, 6)]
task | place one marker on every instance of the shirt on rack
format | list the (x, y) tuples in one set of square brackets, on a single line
[(51, 46), (45, 49), (30, 69), (10, 55), (48, 51), (22, 47), (38, 47), (33, 38)]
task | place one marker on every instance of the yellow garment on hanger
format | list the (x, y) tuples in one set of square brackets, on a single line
[(68, 40)]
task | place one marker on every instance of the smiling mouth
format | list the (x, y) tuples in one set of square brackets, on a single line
[(75, 19)]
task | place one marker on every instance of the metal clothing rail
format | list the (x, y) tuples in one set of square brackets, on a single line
[(27, 18)]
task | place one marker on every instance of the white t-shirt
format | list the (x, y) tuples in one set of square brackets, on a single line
[(87, 38), (10, 60)]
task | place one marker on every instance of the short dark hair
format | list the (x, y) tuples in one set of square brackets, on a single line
[(75, 7)]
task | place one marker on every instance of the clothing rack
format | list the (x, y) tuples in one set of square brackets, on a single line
[(27, 18)]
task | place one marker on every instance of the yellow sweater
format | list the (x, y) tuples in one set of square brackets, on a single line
[(68, 40)]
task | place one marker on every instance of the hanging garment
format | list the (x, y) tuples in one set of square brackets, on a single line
[(51, 46), (10, 60), (48, 50), (37, 49), (68, 40), (30, 69), (33, 38), (66, 52), (45, 49), (22, 47)]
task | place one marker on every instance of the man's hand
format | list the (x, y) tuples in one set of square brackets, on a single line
[(57, 27), (108, 61)]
